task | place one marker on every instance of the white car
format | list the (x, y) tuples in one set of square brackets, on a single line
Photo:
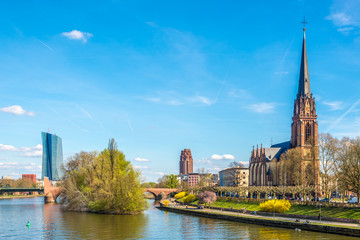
[(353, 200)]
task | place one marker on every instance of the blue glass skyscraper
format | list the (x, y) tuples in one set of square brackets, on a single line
[(52, 157)]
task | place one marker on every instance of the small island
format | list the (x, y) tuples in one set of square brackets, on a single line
[(102, 182)]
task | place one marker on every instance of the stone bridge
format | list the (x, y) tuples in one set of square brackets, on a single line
[(157, 191), (50, 192)]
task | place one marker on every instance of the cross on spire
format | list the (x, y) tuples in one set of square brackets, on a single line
[(304, 22)]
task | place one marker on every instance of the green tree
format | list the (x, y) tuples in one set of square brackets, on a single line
[(102, 182), (171, 181)]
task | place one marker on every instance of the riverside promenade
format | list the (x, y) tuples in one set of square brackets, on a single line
[(349, 229)]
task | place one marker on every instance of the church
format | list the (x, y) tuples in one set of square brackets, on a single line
[(263, 165)]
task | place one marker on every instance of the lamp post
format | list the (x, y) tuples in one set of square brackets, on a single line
[(320, 213)]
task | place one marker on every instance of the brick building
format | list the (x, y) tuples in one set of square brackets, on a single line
[(186, 162), (32, 177)]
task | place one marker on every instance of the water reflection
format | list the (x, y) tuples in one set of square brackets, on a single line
[(50, 222)]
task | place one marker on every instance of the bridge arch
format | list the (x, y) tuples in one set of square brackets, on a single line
[(157, 191)]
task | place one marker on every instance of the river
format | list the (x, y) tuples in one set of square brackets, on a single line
[(48, 221)]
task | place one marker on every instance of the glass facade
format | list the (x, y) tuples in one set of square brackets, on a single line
[(52, 157)]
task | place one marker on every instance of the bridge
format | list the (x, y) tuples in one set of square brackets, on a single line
[(50, 192), (157, 191)]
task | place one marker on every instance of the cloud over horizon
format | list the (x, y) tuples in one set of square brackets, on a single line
[(17, 110)]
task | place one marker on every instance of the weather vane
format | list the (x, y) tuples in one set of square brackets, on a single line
[(304, 22)]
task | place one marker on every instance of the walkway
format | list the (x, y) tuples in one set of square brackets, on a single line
[(339, 224)]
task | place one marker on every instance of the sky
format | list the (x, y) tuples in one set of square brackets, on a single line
[(217, 77)]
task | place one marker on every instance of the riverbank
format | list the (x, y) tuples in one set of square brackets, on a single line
[(348, 229), (20, 196), (297, 210)]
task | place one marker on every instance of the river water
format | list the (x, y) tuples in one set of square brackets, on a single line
[(48, 221)]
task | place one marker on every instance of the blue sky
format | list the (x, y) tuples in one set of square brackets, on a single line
[(159, 76)]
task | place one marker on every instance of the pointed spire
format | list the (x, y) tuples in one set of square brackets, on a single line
[(304, 79)]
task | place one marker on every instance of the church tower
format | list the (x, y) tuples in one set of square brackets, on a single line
[(304, 128)]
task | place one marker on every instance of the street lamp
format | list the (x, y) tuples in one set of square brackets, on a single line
[(320, 213)]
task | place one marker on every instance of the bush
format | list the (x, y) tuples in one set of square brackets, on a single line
[(207, 197), (166, 203), (280, 206), (180, 195), (189, 198)]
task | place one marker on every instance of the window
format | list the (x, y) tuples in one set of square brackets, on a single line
[(307, 132)]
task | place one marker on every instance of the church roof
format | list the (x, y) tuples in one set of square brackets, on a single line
[(284, 145), (304, 79), (271, 153)]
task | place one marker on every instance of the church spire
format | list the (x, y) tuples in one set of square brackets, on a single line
[(304, 80)]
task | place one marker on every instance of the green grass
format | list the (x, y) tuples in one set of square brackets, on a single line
[(351, 213), (278, 220)]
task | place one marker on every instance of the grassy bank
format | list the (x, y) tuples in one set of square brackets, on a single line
[(336, 212), (19, 196)]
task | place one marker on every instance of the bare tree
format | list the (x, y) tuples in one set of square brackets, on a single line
[(348, 165), (327, 152), (236, 164), (290, 168)]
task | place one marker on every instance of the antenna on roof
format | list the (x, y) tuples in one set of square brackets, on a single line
[(271, 142)]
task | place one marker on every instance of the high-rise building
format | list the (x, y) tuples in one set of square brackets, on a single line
[(304, 135), (52, 157), (186, 162)]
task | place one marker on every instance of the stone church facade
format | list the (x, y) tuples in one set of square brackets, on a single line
[(263, 167)]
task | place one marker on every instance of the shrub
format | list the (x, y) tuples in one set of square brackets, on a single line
[(180, 195), (189, 198), (166, 203), (280, 206), (207, 197)]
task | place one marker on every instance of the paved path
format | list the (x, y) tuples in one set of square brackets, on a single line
[(352, 225)]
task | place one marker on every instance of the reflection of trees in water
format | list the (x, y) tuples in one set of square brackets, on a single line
[(105, 226), (268, 233)]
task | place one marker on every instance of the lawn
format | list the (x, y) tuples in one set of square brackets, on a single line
[(352, 213)]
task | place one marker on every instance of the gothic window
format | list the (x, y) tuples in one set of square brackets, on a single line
[(307, 132)]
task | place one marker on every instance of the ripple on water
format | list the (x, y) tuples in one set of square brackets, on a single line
[(48, 221)]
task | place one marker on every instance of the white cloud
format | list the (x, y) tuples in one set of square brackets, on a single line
[(7, 148), (138, 159), (344, 14), (16, 110), (141, 167), (77, 35), (333, 105), (201, 99), (340, 19), (175, 100), (222, 157), (262, 107), (35, 151), (20, 166)]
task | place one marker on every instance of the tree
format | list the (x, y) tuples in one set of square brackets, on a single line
[(327, 152), (171, 181), (348, 165), (236, 164), (289, 166), (148, 185), (102, 182), (207, 197)]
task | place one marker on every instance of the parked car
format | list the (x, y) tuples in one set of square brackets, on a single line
[(353, 200), (325, 200), (315, 199)]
